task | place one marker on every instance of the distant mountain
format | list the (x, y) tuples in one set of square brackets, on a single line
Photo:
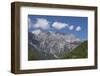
[(51, 45), (81, 51)]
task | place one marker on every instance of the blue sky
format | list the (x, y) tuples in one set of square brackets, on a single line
[(63, 24)]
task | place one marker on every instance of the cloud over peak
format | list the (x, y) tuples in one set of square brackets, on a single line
[(59, 25), (42, 23), (78, 28), (36, 31), (71, 27)]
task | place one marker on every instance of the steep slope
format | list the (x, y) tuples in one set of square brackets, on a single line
[(80, 51)]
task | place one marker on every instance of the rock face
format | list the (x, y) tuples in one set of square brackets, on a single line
[(52, 45)]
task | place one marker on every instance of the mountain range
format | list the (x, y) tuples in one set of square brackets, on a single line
[(43, 45)]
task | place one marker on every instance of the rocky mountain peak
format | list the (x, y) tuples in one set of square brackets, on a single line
[(52, 44)]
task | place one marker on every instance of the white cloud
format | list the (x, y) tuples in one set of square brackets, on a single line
[(29, 23), (36, 31), (59, 25), (72, 38), (78, 28), (71, 27), (42, 23)]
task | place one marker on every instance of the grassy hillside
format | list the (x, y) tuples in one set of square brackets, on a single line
[(32, 55), (80, 51)]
